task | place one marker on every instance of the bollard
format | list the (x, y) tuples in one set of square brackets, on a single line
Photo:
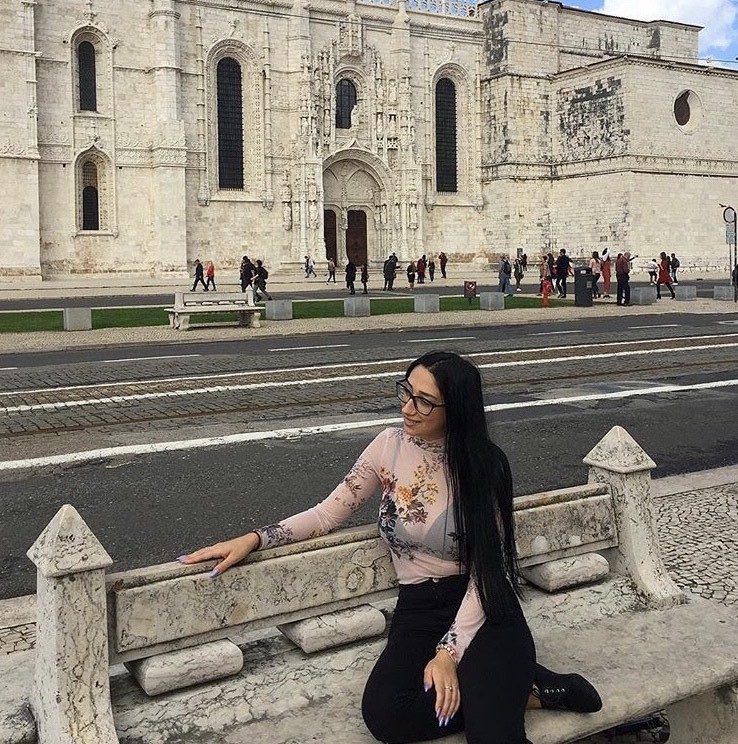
[(71, 692)]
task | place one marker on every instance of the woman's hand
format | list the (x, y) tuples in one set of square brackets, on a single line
[(231, 551), (440, 672)]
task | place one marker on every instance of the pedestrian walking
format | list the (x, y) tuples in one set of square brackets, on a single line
[(431, 269), (664, 277), (652, 267), (199, 276), (563, 266), (331, 271), (674, 266), (606, 264), (518, 273), (420, 266), (524, 261), (260, 281), (350, 276), (210, 274), (442, 261), (388, 272), (246, 273), (595, 265), (310, 267), (364, 275), (410, 271), (622, 276), (459, 655), (504, 274), (544, 274)]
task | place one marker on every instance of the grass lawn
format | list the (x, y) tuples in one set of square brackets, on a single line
[(133, 317)]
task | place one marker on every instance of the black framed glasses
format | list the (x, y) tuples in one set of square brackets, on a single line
[(422, 405)]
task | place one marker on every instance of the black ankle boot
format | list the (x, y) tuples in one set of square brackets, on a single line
[(565, 692)]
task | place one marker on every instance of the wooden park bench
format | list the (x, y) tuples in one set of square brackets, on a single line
[(192, 303), (599, 602)]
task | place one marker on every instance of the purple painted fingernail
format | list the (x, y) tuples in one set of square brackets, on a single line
[(181, 558), (214, 573), (426, 687)]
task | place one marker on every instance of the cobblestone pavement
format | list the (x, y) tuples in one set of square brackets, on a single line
[(698, 533)]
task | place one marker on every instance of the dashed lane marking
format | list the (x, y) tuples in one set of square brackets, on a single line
[(149, 358), (7, 369), (664, 325), (309, 348), (433, 340), (296, 433), (554, 333)]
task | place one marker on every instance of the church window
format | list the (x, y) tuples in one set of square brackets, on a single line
[(345, 102), (446, 167), (87, 76), (90, 197), (230, 124), (681, 109)]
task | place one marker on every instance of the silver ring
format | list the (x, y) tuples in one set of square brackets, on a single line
[(449, 688)]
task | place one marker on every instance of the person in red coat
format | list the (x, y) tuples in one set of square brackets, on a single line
[(664, 277)]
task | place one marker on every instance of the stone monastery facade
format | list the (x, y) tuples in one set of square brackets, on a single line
[(138, 135)]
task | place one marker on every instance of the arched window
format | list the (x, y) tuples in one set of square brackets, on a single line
[(90, 197), (345, 102), (87, 76), (230, 124), (446, 171)]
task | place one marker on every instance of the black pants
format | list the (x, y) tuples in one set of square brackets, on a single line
[(495, 674), (623, 293), (562, 285), (667, 285)]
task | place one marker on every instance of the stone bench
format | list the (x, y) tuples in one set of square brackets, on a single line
[(722, 292), (685, 292), (193, 303), (599, 602), (491, 301), (642, 295)]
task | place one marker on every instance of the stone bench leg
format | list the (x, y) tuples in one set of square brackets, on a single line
[(186, 667), (184, 322), (172, 319), (254, 321), (711, 718)]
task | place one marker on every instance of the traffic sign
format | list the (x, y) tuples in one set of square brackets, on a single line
[(730, 233)]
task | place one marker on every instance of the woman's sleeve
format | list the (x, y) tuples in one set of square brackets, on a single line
[(469, 619), (359, 485)]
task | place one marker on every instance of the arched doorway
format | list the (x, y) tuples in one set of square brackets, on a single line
[(330, 235), (356, 246)]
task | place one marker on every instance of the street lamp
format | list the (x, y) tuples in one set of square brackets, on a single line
[(730, 218)]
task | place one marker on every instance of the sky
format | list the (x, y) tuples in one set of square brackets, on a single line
[(718, 39)]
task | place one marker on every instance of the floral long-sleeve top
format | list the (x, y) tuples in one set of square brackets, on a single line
[(415, 518)]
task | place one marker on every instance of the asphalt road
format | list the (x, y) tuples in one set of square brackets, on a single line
[(150, 507)]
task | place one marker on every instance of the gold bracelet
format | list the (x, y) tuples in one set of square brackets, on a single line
[(449, 649)]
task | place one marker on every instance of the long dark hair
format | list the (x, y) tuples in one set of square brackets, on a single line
[(479, 482)]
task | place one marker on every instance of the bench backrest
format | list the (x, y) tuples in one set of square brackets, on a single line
[(199, 299), (172, 606)]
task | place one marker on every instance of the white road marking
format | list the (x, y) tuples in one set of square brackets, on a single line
[(433, 340), (320, 380), (665, 325), (146, 359), (296, 433), (346, 365), (553, 333), (5, 369), (308, 348), (728, 322)]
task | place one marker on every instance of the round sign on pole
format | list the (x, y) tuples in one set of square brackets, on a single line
[(729, 215)]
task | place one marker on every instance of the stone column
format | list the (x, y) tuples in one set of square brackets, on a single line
[(71, 694), (620, 462)]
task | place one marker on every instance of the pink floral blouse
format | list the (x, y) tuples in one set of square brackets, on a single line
[(415, 518)]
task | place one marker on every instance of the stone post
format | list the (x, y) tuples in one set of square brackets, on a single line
[(620, 462), (71, 694)]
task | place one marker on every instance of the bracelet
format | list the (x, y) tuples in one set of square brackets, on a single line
[(258, 537), (449, 649)]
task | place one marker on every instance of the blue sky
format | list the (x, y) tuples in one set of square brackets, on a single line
[(718, 40)]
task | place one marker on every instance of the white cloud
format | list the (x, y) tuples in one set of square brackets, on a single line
[(717, 16)]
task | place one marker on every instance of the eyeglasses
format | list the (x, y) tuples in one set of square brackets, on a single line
[(422, 405)]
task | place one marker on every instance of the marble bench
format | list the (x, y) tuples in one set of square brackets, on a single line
[(599, 601), (194, 303)]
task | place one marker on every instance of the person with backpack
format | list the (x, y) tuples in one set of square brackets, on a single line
[(364, 277), (246, 274), (350, 276), (260, 281), (331, 271), (518, 273), (410, 271), (504, 274), (674, 266)]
